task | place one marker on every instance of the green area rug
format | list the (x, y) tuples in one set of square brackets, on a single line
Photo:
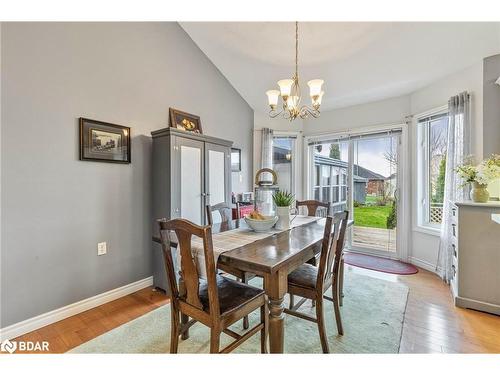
[(372, 315)]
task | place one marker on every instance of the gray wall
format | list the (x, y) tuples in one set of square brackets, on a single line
[(491, 106), (56, 208)]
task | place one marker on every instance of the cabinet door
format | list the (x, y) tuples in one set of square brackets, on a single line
[(217, 174), (188, 180)]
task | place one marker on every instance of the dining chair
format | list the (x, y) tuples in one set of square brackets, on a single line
[(312, 282), (217, 302), (225, 212), (314, 207)]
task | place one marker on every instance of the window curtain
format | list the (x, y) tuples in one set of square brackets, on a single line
[(458, 147), (266, 156)]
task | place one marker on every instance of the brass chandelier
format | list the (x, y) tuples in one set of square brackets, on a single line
[(290, 93)]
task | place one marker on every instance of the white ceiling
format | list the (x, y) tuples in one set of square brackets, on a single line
[(359, 61)]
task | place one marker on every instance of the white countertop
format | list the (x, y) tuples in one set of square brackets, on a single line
[(490, 204)]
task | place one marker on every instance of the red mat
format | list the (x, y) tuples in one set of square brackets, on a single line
[(379, 264)]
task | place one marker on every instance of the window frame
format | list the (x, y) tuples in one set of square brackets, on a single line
[(295, 156), (423, 171)]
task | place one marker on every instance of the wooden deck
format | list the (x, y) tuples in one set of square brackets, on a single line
[(374, 238)]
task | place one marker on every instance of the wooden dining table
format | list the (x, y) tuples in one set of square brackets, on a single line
[(273, 258)]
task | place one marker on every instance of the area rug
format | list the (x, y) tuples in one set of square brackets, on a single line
[(380, 264), (372, 314)]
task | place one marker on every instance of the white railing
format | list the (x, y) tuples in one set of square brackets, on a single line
[(436, 214)]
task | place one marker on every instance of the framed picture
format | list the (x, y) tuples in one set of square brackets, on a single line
[(235, 160), (184, 121), (102, 141)]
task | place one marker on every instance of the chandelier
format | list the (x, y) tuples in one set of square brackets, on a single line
[(290, 93)]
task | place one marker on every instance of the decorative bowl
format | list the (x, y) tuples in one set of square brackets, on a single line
[(261, 225)]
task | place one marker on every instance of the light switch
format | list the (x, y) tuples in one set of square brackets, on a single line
[(101, 248)]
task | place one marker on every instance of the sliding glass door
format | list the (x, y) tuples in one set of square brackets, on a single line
[(360, 173)]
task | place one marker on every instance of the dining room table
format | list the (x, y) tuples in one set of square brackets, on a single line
[(273, 257)]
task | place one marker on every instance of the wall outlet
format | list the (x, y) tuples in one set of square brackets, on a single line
[(101, 248)]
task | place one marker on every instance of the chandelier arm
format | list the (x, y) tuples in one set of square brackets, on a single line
[(306, 111), (274, 114)]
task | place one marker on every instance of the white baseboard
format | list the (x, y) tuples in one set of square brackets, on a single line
[(18, 329), (425, 265)]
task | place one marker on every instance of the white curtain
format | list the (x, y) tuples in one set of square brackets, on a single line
[(266, 152), (458, 146)]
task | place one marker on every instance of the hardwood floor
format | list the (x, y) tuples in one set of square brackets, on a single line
[(432, 323), (71, 332)]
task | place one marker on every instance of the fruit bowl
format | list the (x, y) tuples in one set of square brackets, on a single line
[(261, 225)]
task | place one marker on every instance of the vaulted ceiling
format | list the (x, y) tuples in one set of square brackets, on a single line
[(359, 61)]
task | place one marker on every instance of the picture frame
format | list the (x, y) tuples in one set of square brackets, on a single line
[(235, 160), (184, 121), (104, 142)]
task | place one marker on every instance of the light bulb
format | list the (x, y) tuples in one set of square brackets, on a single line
[(315, 86), (285, 87), (272, 97)]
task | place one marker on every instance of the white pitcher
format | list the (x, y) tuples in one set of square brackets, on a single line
[(284, 219)]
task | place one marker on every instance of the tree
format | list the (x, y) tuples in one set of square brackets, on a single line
[(439, 194), (335, 151), (392, 219)]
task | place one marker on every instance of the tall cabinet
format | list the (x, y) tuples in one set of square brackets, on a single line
[(189, 171)]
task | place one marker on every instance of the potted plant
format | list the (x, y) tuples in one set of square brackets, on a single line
[(480, 176), (283, 201)]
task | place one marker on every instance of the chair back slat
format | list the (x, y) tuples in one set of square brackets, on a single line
[(314, 207), (225, 211), (332, 248), (189, 291)]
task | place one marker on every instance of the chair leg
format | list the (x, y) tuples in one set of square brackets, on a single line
[(244, 280), (174, 331), (214, 341), (321, 326), (336, 308), (265, 331), (184, 320), (290, 307), (341, 282)]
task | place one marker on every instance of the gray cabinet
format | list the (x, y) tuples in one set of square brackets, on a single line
[(189, 172), (476, 256)]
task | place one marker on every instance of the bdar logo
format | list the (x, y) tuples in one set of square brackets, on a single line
[(8, 346)]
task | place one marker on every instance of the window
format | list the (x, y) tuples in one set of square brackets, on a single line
[(284, 161), (432, 136), (329, 172)]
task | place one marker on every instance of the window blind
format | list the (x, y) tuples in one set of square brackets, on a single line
[(348, 137), (432, 118)]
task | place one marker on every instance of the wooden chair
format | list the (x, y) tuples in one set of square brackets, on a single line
[(216, 302), (312, 210), (313, 206), (312, 282), (225, 212)]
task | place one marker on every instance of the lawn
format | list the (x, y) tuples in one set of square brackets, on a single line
[(371, 216)]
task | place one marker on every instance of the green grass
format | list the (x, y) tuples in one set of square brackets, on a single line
[(370, 199), (371, 216)]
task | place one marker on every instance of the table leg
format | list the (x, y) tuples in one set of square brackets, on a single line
[(276, 287), (276, 325)]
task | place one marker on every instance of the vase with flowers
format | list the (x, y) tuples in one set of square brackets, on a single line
[(480, 176)]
